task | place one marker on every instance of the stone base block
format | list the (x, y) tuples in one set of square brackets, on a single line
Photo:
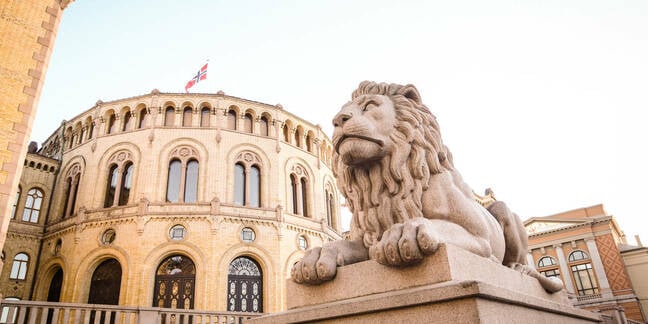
[(451, 286)]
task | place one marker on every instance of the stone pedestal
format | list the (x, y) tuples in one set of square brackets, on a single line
[(451, 286)]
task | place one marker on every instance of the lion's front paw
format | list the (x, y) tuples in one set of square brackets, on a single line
[(405, 244), (317, 266)]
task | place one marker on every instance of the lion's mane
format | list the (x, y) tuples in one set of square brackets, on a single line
[(390, 191)]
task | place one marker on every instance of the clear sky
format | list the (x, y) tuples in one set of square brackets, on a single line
[(543, 101)]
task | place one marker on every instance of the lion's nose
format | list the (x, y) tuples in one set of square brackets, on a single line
[(341, 118)]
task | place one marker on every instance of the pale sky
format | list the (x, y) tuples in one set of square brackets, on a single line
[(543, 101)]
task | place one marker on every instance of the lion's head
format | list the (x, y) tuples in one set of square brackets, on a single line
[(387, 145)]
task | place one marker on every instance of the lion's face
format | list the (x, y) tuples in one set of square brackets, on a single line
[(362, 129)]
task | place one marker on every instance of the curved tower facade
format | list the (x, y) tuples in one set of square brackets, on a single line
[(199, 201)]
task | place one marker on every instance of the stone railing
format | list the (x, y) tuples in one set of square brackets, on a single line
[(588, 297), (12, 311)]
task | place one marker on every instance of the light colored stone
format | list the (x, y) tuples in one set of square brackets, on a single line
[(453, 285), (406, 196)]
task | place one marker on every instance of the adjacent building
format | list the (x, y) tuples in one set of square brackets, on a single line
[(588, 251), (193, 201)]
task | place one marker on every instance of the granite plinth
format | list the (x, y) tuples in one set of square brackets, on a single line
[(452, 285)]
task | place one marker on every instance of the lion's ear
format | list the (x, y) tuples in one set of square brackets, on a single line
[(410, 92)]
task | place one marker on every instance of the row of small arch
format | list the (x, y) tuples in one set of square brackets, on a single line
[(40, 166)]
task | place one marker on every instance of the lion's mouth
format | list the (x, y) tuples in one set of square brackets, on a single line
[(342, 138)]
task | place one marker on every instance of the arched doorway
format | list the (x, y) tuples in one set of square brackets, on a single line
[(244, 286), (54, 292), (106, 283), (175, 280)]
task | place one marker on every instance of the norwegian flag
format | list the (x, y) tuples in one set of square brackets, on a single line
[(201, 75)]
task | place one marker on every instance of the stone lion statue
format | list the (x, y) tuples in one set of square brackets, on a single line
[(406, 196)]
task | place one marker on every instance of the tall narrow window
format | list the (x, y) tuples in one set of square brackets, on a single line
[(285, 134), (112, 124), (584, 278), (255, 186), (309, 143), (173, 182), (231, 119), (299, 190), (293, 191), (111, 186), (127, 177), (247, 179), (329, 207), (204, 117), (169, 115), (298, 138), (90, 130), (73, 192), (191, 182), (32, 205), (128, 122), (143, 119), (186, 117), (263, 126), (247, 123), (81, 134), (183, 176), (304, 197), (120, 177), (239, 184), (15, 205), (19, 267)]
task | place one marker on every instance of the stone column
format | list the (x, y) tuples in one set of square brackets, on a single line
[(597, 264), (565, 271)]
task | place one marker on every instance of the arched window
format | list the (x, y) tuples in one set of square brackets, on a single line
[(111, 187), (309, 143), (304, 197), (175, 280), (578, 255), (19, 267), (247, 123), (81, 134), (297, 135), (263, 126), (186, 117), (169, 115), (548, 267), (32, 205), (330, 205), (15, 205), (247, 179), (244, 286), (143, 118), (285, 131), (173, 182), (112, 124), (231, 119), (128, 122), (300, 191), (293, 193), (255, 186), (204, 117), (191, 186), (583, 274), (72, 179), (90, 129), (546, 262), (127, 178), (120, 178), (239, 184), (182, 180)]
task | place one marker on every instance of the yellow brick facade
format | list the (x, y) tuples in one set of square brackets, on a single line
[(215, 130), (28, 29)]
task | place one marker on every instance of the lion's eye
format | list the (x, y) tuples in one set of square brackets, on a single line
[(370, 105)]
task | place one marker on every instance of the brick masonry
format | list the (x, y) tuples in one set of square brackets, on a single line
[(28, 29)]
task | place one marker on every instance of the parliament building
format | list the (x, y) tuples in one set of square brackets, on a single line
[(190, 201)]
